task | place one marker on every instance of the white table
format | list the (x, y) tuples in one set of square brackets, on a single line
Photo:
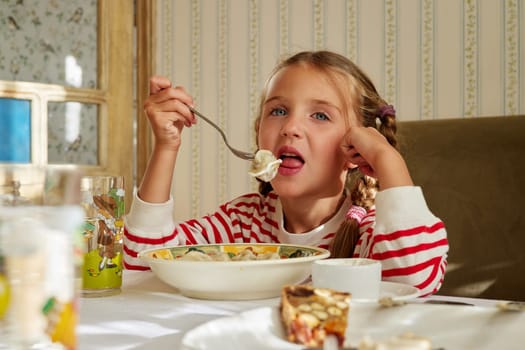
[(149, 314)]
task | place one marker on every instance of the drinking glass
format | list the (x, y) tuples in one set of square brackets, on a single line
[(40, 222), (103, 202)]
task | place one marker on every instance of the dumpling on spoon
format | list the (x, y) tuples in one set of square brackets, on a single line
[(264, 165)]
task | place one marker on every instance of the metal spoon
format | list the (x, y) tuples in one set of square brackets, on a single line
[(238, 153)]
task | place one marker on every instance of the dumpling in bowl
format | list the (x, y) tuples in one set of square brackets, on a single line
[(264, 165)]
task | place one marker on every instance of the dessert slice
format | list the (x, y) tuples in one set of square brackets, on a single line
[(310, 314)]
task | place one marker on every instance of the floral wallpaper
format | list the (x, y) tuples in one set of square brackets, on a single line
[(49, 41), (55, 42), (72, 133)]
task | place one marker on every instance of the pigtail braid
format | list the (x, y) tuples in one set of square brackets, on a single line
[(388, 128), (362, 192)]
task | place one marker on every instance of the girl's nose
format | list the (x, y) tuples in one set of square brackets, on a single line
[(291, 126)]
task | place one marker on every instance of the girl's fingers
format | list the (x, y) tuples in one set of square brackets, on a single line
[(169, 93), (164, 98), (173, 111), (160, 90), (359, 161), (350, 152), (367, 170), (158, 83), (355, 160)]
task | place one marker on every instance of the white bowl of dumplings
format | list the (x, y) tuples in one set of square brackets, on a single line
[(238, 271)]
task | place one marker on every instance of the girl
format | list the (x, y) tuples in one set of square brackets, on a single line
[(342, 184)]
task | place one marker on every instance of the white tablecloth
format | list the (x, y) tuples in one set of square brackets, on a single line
[(148, 314)]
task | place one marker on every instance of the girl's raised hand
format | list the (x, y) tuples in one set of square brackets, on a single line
[(168, 112), (367, 149)]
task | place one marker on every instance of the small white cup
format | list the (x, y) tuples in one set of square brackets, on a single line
[(359, 276)]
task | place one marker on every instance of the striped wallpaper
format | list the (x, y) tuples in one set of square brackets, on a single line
[(430, 58)]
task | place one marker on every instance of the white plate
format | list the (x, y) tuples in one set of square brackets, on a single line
[(449, 326)]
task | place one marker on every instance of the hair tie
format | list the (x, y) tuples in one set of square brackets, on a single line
[(386, 110), (357, 213)]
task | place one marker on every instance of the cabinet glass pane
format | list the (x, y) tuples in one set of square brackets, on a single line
[(72, 133), (49, 41), (15, 130)]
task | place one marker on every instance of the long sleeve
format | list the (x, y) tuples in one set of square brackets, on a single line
[(407, 238), (147, 225), (248, 218)]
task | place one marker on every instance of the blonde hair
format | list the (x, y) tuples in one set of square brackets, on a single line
[(371, 110)]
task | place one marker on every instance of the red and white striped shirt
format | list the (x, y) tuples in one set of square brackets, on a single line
[(400, 231)]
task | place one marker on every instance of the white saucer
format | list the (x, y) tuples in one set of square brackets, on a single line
[(396, 291)]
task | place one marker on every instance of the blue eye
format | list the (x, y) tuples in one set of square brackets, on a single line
[(321, 116), (278, 112)]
